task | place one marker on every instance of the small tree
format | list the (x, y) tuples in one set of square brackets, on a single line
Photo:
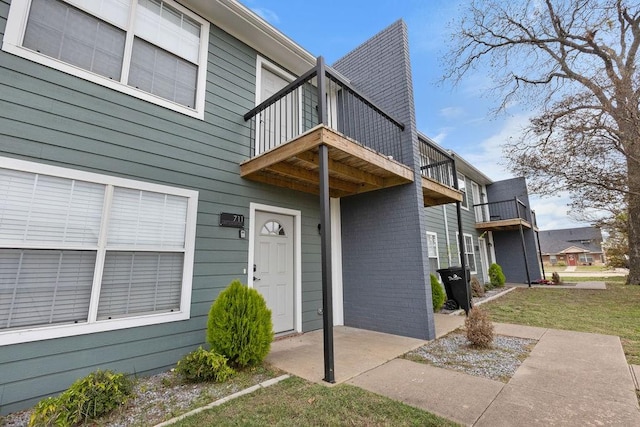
[(240, 326), (437, 293), (496, 276)]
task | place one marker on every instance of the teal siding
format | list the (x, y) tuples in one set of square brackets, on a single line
[(50, 117)]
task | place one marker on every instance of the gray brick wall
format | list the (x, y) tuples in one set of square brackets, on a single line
[(385, 264), (508, 244)]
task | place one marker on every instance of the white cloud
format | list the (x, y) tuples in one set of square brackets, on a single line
[(451, 112), (487, 155), (552, 212), (267, 14), (441, 135)]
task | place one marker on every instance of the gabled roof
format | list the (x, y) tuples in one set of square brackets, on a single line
[(582, 239)]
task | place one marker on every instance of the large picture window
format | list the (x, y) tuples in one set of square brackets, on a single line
[(153, 49), (81, 249)]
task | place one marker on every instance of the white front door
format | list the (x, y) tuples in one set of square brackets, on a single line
[(274, 267)]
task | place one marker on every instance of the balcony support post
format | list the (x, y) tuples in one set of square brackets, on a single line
[(322, 92), (463, 260), (524, 246), (325, 245)]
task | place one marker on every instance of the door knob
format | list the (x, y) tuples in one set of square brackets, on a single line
[(255, 279)]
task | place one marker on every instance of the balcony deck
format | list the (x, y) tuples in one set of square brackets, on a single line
[(434, 193), (353, 168), (504, 215), (502, 224)]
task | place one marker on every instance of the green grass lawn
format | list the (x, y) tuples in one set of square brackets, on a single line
[(614, 311), (296, 402)]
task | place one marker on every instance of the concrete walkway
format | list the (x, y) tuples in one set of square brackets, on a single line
[(570, 378)]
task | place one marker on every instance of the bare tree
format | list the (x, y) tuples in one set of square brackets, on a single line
[(574, 63)]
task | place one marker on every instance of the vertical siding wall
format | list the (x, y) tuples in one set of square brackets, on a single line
[(50, 117), (385, 262), (508, 244)]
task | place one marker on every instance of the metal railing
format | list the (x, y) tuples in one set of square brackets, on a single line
[(436, 164), (502, 210), (295, 109)]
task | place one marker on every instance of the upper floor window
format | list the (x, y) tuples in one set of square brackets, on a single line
[(462, 186), (152, 49)]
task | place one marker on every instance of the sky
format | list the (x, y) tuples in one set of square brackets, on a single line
[(457, 117)]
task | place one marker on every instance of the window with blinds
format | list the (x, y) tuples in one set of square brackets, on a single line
[(75, 252), (151, 46)]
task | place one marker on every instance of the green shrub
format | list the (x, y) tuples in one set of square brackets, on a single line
[(477, 290), (202, 365), (437, 293), (561, 264), (496, 276), (88, 398), (240, 326), (479, 328)]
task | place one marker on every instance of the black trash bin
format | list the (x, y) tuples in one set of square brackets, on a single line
[(454, 286)]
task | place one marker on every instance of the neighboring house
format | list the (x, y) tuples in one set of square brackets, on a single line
[(492, 215), (153, 151), (572, 246)]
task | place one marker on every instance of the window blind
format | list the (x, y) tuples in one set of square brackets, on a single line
[(139, 283), (46, 209), (40, 287), (61, 31)]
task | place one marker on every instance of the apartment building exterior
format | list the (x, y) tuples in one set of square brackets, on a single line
[(498, 226), (152, 151)]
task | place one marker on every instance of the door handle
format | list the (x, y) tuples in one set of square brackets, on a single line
[(255, 279)]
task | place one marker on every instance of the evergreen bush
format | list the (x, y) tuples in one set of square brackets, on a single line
[(479, 328), (496, 276), (202, 365), (240, 326), (437, 293), (88, 398)]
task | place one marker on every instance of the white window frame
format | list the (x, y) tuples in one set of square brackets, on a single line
[(16, 27), (38, 333), (437, 255), (458, 248), (465, 200), (470, 251)]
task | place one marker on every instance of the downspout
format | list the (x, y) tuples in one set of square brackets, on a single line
[(325, 232)]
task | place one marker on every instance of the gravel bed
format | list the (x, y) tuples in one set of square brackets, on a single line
[(160, 397), (454, 351)]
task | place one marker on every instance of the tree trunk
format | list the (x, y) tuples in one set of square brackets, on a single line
[(633, 172)]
